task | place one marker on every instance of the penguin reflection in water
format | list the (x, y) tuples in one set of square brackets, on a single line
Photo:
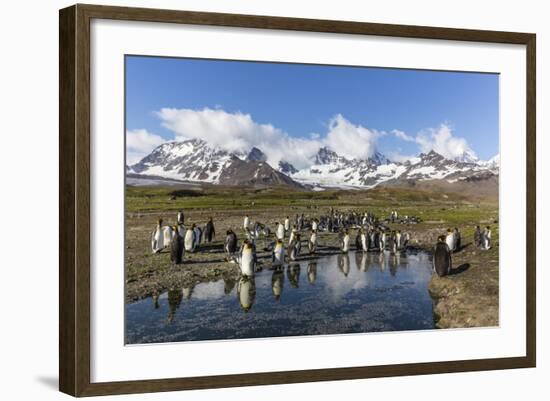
[(343, 263), (177, 248), (442, 262), (246, 292), (312, 272), (293, 274), (278, 255), (277, 284), (174, 301), (361, 259)]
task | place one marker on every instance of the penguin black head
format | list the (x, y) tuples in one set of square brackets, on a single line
[(160, 222)]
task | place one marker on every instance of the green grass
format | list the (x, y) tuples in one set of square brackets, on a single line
[(430, 206)]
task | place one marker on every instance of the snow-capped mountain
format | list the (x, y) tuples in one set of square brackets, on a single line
[(195, 160)]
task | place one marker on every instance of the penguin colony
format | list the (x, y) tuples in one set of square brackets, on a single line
[(285, 243)]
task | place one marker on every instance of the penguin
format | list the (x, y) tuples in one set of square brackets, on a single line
[(442, 261), (230, 245), (190, 240), (181, 218), (246, 291), (287, 223), (181, 229), (157, 238), (398, 240), (406, 239), (246, 260), (278, 256), (209, 231), (292, 234), (167, 233), (364, 242), (477, 237), (450, 239), (246, 222), (314, 225), (486, 239), (198, 235), (358, 240), (458, 239), (383, 240), (392, 244), (345, 242), (277, 284), (177, 248), (294, 248), (293, 274), (312, 272), (280, 231), (312, 244)]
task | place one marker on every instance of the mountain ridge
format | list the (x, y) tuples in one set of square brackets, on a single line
[(197, 161)]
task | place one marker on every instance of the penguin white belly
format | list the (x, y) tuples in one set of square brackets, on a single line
[(364, 242), (291, 237), (398, 241), (450, 240), (167, 234), (157, 242), (345, 248), (189, 241), (247, 263), (280, 232), (279, 256), (314, 225)]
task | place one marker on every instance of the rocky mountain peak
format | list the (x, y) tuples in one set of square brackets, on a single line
[(256, 155)]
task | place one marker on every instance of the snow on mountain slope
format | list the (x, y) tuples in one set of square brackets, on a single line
[(194, 160)]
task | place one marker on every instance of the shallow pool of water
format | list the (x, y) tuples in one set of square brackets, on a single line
[(354, 293)]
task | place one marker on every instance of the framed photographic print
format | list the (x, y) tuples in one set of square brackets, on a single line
[(250, 200)]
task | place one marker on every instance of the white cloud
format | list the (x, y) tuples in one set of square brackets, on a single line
[(398, 157), (401, 135), (139, 143), (443, 142), (349, 140), (238, 132)]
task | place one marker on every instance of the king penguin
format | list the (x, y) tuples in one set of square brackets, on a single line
[(157, 238), (247, 259), (177, 248)]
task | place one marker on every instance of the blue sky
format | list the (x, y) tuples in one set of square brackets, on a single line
[(353, 109)]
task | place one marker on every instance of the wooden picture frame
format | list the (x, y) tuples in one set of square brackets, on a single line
[(74, 199)]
